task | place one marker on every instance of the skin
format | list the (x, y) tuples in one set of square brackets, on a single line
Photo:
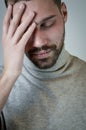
[(24, 31), (45, 44)]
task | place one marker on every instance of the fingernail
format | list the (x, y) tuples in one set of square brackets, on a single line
[(9, 6), (21, 6)]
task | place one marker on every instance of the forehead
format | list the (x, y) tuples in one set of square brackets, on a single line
[(38, 5), (42, 8), (14, 1)]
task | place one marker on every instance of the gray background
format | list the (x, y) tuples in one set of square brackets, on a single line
[(75, 40)]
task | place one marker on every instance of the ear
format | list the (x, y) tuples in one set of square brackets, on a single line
[(64, 11)]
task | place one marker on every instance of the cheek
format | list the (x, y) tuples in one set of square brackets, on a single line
[(56, 33)]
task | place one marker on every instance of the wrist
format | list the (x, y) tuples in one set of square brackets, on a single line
[(11, 74)]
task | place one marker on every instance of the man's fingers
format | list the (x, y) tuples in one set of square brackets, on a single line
[(23, 27), (27, 35), (7, 18), (16, 20)]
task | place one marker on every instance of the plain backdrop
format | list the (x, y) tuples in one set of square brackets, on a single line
[(75, 40)]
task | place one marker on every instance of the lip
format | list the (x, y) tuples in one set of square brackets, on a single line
[(42, 54)]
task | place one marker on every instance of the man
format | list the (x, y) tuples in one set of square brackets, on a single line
[(46, 87)]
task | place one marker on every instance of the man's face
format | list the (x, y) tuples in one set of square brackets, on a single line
[(47, 41)]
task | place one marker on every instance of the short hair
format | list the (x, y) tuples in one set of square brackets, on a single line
[(57, 2)]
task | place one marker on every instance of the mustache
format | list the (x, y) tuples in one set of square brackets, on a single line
[(36, 49)]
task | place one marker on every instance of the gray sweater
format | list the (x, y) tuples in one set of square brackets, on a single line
[(52, 99)]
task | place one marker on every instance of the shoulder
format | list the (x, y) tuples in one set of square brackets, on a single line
[(79, 61), (77, 65), (76, 69)]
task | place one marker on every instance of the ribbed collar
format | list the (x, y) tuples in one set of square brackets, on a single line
[(53, 72)]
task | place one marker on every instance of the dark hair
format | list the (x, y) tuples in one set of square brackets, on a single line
[(58, 2)]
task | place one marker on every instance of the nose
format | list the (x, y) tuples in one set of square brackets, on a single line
[(39, 39)]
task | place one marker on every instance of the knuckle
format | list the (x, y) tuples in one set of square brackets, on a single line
[(16, 20)]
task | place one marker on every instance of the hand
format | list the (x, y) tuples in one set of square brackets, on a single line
[(15, 37)]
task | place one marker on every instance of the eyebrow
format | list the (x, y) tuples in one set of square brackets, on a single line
[(46, 19)]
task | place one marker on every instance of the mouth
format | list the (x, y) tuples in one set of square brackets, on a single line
[(41, 54)]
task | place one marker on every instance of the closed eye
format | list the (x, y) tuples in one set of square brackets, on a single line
[(46, 24)]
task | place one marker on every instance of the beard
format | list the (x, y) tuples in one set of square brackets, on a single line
[(53, 54)]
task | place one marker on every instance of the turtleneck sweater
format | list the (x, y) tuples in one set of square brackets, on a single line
[(48, 99)]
